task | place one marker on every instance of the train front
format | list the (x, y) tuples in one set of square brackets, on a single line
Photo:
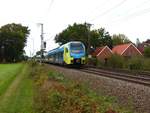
[(77, 53)]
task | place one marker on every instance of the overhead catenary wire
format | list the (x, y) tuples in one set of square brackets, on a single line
[(50, 5), (133, 15), (109, 10), (129, 11), (49, 8), (103, 4)]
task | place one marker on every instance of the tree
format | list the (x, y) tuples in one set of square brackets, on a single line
[(13, 39), (120, 39), (100, 38), (82, 32), (147, 51), (77, 32)]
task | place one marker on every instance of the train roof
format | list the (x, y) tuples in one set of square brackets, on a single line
[(74, 42), (61, 48)]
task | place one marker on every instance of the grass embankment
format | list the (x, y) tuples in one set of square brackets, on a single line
[(8, 72), (57, 94), (16, 91)]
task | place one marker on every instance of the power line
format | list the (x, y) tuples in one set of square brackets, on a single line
[(49, 8), (97, 8), (144, 2), (136, 7), (50, 5), (109, 10), (133, 15)]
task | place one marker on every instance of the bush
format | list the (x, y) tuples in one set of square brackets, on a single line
[(32, 63), (92, 61), (147, 52), (100, 63), (146, 64), (116, 61), (57, 94), (135, 63), (70, 98), (56, 76)]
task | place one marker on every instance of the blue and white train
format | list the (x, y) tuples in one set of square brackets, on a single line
[(68, 54)]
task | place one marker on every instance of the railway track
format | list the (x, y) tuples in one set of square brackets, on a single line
[(144, 80), (141, 78)]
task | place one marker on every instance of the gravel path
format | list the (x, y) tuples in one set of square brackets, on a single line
[(129, 94)]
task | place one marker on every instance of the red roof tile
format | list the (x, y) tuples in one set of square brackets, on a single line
[(97, 51), (120, 48)]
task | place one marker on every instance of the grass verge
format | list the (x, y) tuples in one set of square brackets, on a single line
[(18, 97), (8, 73)]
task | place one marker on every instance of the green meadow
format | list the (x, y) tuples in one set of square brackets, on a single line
[(16, 91)]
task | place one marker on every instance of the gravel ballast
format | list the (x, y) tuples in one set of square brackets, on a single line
[(128, 94)]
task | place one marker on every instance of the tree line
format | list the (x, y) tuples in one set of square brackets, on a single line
[(13, 38), (91, 38)]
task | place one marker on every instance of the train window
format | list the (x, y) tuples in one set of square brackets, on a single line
[(76, 46)]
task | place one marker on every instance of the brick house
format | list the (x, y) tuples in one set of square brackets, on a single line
[(126, 50), (102, 53)]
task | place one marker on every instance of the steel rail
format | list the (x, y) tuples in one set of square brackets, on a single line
[(122, 76)]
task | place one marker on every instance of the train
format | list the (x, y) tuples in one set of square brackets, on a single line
[(71, 53)]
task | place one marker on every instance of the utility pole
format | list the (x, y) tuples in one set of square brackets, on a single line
[(32, 46), (88, 46), (42, 42)]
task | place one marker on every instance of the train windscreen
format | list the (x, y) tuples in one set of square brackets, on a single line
[(76, 48)]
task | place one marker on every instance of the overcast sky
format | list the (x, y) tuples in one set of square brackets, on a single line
[(130, 17)]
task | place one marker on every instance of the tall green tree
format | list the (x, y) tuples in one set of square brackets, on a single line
[(100, 37), (13, 39), (77, 32), (120, 39), (82, 32)]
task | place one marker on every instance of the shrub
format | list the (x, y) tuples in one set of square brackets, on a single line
[(92, 61), (147, 52), (32, 63), (146, 64), (135, 63), (56, 76), (70, 98), (116, 61), (100, 63), (55, 96)]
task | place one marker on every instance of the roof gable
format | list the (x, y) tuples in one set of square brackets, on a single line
[(120, 49), (99, 50)]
